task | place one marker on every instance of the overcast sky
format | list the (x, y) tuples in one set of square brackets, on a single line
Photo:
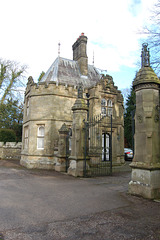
[(31, 30)]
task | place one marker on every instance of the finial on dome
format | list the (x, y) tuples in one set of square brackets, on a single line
[(59, 45), (80, 90), (145, 56)]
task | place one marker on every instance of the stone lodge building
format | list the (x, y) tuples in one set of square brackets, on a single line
[(48, 105)]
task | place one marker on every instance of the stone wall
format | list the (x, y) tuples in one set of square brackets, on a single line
[(10, 150), (49, 105), (108, 91)]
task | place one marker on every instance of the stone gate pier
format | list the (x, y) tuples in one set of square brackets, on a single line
[(145, 179), (80, 109)]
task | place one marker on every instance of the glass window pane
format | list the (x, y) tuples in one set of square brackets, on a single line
[(41, 131), (27, 111), (103, 110), (109, 111), (109, 103), (40, 143), (26, 143), (103, 102), (26, 132)]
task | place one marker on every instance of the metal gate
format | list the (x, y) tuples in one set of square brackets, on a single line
[(98, 146)]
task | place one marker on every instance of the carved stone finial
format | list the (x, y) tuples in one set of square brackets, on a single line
[(145, 56), (107, 82), (63, 128), (80, 90), (80, 102), (30, 80)]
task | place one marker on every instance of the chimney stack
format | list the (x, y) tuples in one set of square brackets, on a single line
[(80, 55)]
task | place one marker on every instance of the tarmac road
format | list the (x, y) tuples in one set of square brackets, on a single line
[(46, 205)]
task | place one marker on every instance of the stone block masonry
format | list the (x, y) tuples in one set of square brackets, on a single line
[(145, 180), (10, 150)]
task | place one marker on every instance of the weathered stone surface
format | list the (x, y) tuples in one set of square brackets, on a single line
[(49, 103), (146, 163), (10, 150), (145, 183), (50, 113), (78, 138), (63, 147), (80, 54), (41, 162)]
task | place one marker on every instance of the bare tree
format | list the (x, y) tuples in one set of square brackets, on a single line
[(11, 78)]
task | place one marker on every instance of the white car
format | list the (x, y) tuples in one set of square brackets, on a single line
[(128, 154)]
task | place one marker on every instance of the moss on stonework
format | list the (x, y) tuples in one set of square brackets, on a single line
[(142, 165), (146, 75), (80, 104)]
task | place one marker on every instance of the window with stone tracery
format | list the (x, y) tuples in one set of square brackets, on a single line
[(106, 107), (103, 107)]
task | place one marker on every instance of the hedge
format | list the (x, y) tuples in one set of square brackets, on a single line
[(7, 135)]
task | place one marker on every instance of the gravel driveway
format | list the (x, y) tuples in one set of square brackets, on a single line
[(46, 205)]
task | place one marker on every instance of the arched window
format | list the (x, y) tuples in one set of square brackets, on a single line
[(103, 107), (40, 137), (110, 107)]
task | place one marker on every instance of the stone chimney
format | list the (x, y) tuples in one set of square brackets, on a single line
[(80, 55)]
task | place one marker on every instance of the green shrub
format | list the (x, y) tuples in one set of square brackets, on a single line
[(7, 135)]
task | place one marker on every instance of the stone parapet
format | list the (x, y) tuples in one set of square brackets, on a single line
[(52, 88)]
